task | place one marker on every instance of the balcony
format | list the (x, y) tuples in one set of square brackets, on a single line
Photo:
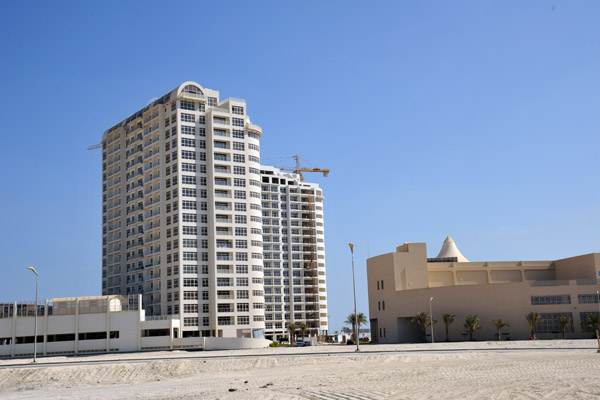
[(220, 132), (222, 157), (149, 131), (195, 96), (222, 182), (152, 214), (152, 226), (150, 166), (151, 190), (222, 193), (152, 153), (152, 276), (253, 128), (151, 178), (224, 271), (151, 142), (222, 170), (149, 239), (222, 145), (153, 251)]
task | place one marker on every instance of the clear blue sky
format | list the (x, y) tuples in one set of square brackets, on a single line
[(475, 119)]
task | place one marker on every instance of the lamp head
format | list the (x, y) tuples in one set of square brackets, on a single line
[(351, 247), (431, 299), (33, 270)]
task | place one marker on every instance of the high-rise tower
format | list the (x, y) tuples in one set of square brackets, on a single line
[(294, 253), (181, 212)]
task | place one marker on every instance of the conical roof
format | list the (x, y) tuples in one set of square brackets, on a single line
[(449, 249)]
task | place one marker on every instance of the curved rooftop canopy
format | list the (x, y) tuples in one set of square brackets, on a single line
[(192, 89), (449, 250)]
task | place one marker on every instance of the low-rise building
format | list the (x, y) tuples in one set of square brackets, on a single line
[(98, 324), (403, 283)]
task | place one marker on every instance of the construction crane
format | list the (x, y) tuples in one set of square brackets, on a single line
[(299, 170), (96, 146)]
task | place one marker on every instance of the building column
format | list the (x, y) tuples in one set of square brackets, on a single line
[(139, 323), (171, 334), (77, 326), (13, 330), (45, 351), (107, 324)]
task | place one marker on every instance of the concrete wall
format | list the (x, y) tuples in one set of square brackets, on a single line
[(129, 325), (213, 343), (580, 267), (410, 266)]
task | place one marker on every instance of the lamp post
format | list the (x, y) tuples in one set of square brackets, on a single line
[(431, 319), (356, 338), (598, 297), (36, 313)]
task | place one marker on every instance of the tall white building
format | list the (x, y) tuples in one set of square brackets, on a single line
[(293, 252), (181, 210)]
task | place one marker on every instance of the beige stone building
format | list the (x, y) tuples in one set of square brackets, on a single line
[(402, 283)]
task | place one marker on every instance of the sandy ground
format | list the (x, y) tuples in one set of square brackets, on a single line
[(481, 370)]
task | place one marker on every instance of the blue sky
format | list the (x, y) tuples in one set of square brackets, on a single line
[(475, 119)]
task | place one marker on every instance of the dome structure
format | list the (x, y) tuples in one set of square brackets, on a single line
[(449, 250)]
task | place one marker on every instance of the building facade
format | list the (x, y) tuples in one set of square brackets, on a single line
[(294, 254), (405, 282), (188, 214), (181, 212), (98, 324)]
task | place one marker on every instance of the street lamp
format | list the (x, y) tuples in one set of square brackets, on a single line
[(36, 313), (431, 319), (598, 297), (354, 289)]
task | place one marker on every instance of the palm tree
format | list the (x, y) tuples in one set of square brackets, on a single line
[(292, 328), (593, 321), (422, 320), (448, 318), (352, 320), (564, 321), (472, 324), (302, 328), (533, 318), (499, 323)]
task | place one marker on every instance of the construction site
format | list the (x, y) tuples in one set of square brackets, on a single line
[(294, 208)]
